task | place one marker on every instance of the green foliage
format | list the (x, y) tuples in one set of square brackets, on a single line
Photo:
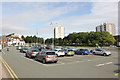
[(85, 39), (33, 39)]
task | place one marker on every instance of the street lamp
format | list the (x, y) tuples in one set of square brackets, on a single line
[(36, 35), (53, 41)]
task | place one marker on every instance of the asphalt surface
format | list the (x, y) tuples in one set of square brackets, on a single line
[(78, 66)]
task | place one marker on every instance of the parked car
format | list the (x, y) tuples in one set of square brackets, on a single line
[(59, 52), (24, 50), (47, 56), (37, 47), (32, 53), (71, 48), (20, 47), (82, 51), (69, 52), (101, 51), (64, 47)]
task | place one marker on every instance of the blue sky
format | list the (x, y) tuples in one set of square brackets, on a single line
[(26, 18)]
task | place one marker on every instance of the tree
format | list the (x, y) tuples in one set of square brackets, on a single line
[(85, 39), (49, 41), (22, 37), (33, 39), (77, 42)]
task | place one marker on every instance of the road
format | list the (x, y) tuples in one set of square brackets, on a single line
[(78, 66)]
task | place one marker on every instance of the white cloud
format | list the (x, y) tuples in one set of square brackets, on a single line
[(100, 13), (38, 15), (19, 23), (60, 0)]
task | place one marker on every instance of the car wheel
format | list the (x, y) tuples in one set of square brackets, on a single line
[(55, 61), (26, 55), (104, 54), (94, 53), (30, 56), (86, 53), (82, 53), (44, 61), (75, 53), (65, 54), (36, 58)]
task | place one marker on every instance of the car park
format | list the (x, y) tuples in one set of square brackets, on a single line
[(32, 53), (101, 51), (59, 52), (82, 51), (69, 52), (47, 56), (24, 50)]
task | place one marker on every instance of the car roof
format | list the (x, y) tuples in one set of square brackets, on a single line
[(69, 49), (33, 49), (49, 51), (58, 49), (84, 49)]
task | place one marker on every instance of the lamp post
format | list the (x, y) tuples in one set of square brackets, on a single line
[(36, 35), (53, 41)]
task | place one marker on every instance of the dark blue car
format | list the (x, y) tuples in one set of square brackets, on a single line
[(82, 51)]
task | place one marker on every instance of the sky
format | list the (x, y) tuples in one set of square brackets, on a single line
[(30, 18)]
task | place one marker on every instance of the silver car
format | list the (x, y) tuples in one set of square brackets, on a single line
[(47, 56), (69, 52), (101, 52), (24, 50), (32, 53)]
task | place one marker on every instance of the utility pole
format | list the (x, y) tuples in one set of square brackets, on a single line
[(53, 41), (36, 35)]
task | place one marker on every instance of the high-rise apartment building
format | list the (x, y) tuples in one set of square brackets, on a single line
[(59, 32), (109, 27)]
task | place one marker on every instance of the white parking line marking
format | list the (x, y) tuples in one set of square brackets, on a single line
[(104, 64), (89, 60), (3, 52), (64, 57), (79, 56), (109, 63), (59, 63), (100, 65), (71, 61), (33, 61)]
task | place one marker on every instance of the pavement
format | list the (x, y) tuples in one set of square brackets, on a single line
[(78, 66), (3, 71)]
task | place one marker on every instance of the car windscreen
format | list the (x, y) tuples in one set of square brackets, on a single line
[(50, 53), (83, 50), (26, 48), (103, 50), (70, 50), (61, 50), (35, 50)]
